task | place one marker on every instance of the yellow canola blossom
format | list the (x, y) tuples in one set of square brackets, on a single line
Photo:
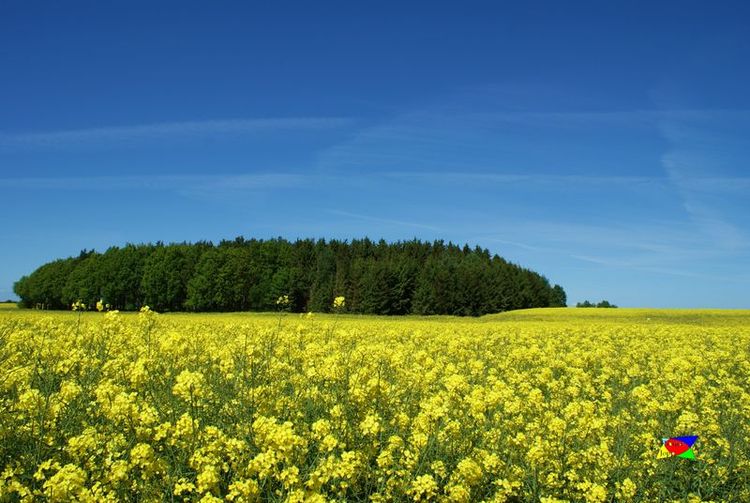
[(538, 405)]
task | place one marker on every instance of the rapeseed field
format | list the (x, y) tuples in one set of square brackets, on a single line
[(539, 405)]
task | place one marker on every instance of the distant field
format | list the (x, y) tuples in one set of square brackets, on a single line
[(629, 316), (8, 305), (522, 406)]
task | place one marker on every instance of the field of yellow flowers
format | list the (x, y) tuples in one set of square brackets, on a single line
[(539, 405)]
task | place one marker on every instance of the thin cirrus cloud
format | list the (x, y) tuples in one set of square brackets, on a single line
[(532, 180), (556, 152), (634, 265), (280, 180), (386, 221), (702, 170), (165, 130), (176, 183), (702, 184), (667, 239), (705, 163), (670, 247)]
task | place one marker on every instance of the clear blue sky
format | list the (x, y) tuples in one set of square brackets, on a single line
[(603, 144)]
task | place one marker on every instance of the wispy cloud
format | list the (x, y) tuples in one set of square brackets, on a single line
[(635, 265), (612, 118), (667, 239), (699, 184), (531, 180), (452, 137), (387, 221), (238, 182), (158, 182), (654, 246), (165, 130), (524, 246), (703, 159)]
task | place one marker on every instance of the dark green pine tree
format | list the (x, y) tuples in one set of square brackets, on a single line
[(84, 281), (166, 274), (321, 292), (558, 298)]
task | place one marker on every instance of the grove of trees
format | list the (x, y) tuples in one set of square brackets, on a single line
[(406, 277), (604, 303)]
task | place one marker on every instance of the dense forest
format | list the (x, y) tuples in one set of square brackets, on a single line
[(406, 277)]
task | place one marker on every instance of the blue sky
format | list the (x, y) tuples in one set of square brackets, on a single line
[(603, 144)]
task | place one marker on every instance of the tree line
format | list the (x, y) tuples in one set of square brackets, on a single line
[(586, 303), (603, 303), (405, 277)]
